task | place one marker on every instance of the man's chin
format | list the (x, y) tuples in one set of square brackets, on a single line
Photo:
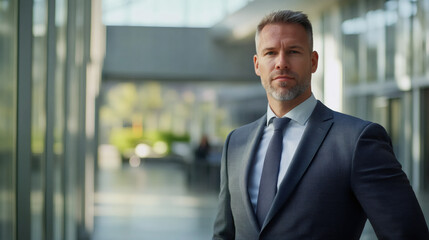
[(283, 96)]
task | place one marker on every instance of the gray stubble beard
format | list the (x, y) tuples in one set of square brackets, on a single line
[(290, 94)]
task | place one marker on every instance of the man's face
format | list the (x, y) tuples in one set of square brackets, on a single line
[(284, 61)]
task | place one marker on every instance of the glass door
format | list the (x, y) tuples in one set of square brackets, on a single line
[(425, 137), (389, 112), (8, 112)]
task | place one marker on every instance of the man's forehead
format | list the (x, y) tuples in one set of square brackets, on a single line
[(272, 33), (276, 28), (276, 34)]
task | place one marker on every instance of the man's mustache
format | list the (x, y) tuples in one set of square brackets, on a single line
[(286, 73)]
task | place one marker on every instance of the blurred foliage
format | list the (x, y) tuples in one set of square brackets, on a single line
[(126, 138), (122, 99), (37, 141), (151, 112)]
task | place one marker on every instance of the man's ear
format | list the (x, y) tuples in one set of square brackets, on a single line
[(314, 61), (256, 64)]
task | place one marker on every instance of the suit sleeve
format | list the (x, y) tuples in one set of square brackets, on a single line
[(383, 190), (224, 228)]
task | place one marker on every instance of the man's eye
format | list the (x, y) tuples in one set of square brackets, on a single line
[(293, 52), (269, 53)]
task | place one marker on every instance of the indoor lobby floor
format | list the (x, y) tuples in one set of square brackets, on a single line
[(154, 202)]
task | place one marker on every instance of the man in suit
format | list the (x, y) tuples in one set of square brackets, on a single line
[(333, 171)]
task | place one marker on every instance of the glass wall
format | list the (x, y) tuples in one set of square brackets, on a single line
[(44, 55), (390, 113), (425, 144), (373, 39), (59, 118), (73, 101), (385, 56), (351, 42), (369, 30), (8, 95), (38, 119), (390, 31)]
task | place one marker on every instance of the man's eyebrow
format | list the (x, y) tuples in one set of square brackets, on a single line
[(296, 46), (268, 49), (290, 47)]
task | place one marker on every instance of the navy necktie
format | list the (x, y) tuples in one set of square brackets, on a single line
[(270, 171)]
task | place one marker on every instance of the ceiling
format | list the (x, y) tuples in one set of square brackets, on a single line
[(242, 24)]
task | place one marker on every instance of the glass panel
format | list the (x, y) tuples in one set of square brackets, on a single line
[(351, 28), (379, 110), (389, 113), (350, 105), (8, 108), (38, 118), (425, 5), (73, 154), (425, 137), (373, 37), (407, 9), (391, 8), (395, 127), (61, 28), (419, 42)]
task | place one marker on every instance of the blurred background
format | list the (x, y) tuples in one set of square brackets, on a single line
[(114, 112)]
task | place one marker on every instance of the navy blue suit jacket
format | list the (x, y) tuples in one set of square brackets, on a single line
[(343, 173)]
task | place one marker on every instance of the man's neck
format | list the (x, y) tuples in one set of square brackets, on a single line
[(281, 108)]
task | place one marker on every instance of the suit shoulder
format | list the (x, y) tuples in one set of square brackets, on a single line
[(357, 125), (348, 124)]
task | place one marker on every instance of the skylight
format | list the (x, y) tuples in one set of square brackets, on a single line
[(168, 13)]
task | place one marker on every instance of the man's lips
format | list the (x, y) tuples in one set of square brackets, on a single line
[(283, 78)]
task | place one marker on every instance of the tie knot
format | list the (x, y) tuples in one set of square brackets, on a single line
[(280, 123)]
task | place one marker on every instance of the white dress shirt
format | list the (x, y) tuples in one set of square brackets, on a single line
[(291, 137)]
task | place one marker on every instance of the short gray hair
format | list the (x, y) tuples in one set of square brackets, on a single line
[(286, 16)]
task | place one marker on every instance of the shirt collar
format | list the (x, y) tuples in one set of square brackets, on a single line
[(299, 114)]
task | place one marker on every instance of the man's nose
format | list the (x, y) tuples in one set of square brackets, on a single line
[(282, 61)]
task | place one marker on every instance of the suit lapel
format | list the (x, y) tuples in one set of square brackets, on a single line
[(254, 138), (318, 126)]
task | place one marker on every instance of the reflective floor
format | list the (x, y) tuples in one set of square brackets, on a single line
[(155, 201), (152, 201)]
